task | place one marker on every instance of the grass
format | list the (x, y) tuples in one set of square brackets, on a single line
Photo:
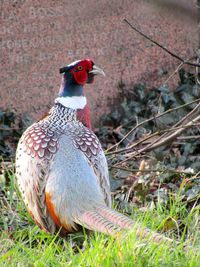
[(24, 244)]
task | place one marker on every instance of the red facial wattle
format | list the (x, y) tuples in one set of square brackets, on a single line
[(81, 70)]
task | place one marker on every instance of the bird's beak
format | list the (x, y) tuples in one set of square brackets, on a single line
[(96, 70)]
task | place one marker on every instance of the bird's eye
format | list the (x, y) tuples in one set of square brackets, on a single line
[(80, 68)]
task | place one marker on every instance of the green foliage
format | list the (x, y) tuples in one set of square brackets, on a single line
[(138, 104)]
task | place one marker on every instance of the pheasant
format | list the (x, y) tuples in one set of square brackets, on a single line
[(61, 168)]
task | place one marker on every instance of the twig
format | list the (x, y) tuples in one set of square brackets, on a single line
[(178, 128), (174, 72), (151, 136), (170, 137), (189, 137), (149, 170), (188, 116), (155, 144), (153, 118), (162, 47)]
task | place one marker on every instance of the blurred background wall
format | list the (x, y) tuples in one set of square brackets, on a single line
[(39, 37)]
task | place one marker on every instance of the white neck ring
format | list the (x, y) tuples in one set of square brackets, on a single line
[(73, 102)]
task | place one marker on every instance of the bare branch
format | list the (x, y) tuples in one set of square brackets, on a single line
[(153, 118), (178, 130), (162, 47), (189, 137), (171, 137), (148, 170), (174, 72), (187, 117)]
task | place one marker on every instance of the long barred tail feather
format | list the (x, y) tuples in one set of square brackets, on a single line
[(119, 219), (111, 222), (96, 222)]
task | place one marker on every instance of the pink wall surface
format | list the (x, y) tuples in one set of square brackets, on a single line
[(39, 37)]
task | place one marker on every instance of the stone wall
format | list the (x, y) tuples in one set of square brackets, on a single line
[(39, 37)]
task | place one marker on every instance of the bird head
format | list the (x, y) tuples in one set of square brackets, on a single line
[(71, 95), (81, 72)]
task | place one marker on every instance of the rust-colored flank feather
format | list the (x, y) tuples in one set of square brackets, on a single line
[(51, 210)]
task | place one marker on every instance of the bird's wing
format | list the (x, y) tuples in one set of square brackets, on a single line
[(87, 142), (33, 156)]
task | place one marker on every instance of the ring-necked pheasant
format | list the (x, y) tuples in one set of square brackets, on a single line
[(61, 168)]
